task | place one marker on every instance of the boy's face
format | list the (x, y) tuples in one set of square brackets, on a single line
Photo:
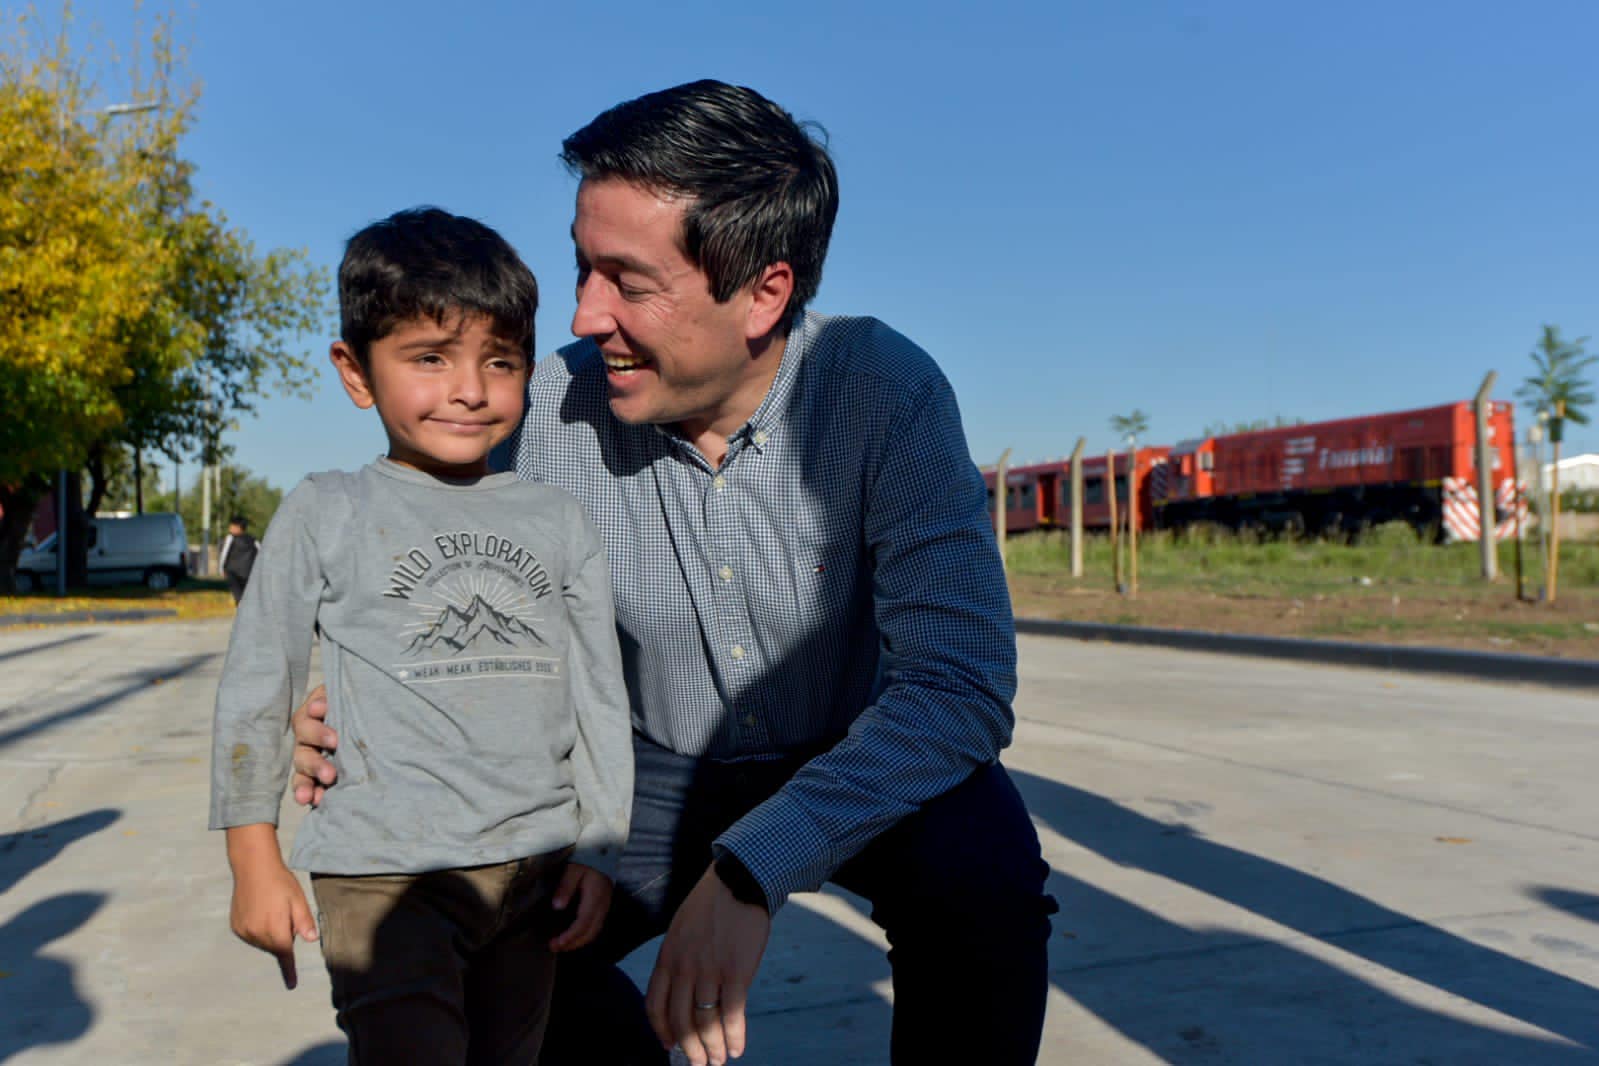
[(235, 529), (447, 394)]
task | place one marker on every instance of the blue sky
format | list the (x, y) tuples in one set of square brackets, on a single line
[(1209, 211)]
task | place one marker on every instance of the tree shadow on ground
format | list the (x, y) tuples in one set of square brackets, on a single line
[(1198, 995), (42, 1003)]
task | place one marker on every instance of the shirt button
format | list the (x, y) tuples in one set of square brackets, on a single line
[(727, 573), (760, 436), (749, 721), (720, 482), (738, 651)]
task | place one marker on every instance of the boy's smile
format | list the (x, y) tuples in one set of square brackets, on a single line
[(447, 393)]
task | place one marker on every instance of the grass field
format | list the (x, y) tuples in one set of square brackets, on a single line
[(1389, 587), (192, 599)]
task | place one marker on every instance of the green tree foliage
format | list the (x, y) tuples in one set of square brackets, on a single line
[(1561, 376), (1132, 425), (135, 314)]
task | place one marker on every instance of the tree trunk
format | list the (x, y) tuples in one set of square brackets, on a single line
[(97, 479), (77, 531), (16, 518), (138, 479)]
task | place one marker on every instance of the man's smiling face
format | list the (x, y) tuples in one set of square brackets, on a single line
[(673, 355)]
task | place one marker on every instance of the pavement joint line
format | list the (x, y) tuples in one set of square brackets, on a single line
[(1501, 667), (27, 805), (1414, 801)]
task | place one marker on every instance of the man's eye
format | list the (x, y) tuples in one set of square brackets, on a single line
[(430, 358), (630, 292)]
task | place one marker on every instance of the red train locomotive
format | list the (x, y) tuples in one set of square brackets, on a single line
[(1323, 478)]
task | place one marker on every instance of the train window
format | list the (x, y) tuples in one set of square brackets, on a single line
[(1121, 487), (1207, 460), (1093, 490)]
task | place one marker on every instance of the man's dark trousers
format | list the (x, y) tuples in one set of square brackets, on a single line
[(957, 887)]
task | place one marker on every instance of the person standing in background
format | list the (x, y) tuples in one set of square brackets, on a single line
[(237, 556)]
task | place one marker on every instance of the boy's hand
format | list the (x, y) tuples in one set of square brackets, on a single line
[(313, 772), (592, 891), (269, 906)]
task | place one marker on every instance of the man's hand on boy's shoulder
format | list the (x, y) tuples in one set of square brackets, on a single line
[(590, 890), (313, 770)]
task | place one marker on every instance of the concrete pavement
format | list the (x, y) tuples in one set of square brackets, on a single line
[(1257, 862)]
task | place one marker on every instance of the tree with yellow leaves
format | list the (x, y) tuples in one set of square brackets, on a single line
[(134, 314)]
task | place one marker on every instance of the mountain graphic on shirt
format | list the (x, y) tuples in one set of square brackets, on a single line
[(458, 628)]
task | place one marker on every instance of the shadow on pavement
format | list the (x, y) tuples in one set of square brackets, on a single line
[(1584, 905), (42, 1004), (50, 721), (16, 653), (1195, 994), (26, 850)]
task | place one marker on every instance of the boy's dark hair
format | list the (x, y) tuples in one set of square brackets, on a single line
[(427, 263), (240, 521), (763, 189)]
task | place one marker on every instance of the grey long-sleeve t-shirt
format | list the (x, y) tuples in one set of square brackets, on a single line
[(470, 656)]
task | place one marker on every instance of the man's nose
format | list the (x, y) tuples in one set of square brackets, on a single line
[(593, 316)]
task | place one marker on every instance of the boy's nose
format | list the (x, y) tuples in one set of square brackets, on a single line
[(469, 388)]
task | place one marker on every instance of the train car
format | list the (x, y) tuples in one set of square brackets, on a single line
[(1343, 475), (1039, 495)]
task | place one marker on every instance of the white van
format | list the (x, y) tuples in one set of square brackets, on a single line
[(150, 548)]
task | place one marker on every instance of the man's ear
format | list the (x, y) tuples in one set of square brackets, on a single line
[(770, 293), (351, 376)]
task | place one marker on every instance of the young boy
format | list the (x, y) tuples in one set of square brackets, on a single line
[(472, 670)]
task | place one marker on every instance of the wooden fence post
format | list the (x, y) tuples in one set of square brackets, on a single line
[(1115, 525), (1077, 508), (1487, 517), (999, 507), (1132, 522)]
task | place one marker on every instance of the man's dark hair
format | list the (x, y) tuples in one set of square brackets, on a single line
[(428, 263), (240, 521), (762, 189)]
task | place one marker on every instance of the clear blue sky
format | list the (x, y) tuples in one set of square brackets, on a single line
[(1210, 211)]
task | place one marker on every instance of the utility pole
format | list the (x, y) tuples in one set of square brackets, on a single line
[(1487, 519), (1077, 508)]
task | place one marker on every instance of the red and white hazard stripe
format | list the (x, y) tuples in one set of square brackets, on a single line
[(1461, 514)]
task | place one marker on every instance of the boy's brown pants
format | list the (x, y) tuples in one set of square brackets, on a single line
[(451, 966)]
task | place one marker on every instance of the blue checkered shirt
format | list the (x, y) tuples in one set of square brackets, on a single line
[(832, 587)]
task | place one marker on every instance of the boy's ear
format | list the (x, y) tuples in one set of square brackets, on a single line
[(351, 376)]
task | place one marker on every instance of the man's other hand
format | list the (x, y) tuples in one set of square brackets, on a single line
[(313, 771), (704, 971)]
